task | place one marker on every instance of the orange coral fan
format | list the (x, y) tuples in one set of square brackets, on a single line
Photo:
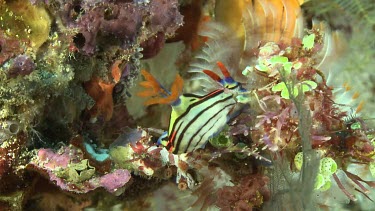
[(157, 92), (101, 92)]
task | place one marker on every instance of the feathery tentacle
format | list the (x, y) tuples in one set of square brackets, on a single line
[(158, 94)]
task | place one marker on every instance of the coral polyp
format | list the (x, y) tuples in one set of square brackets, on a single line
[(186, 105)]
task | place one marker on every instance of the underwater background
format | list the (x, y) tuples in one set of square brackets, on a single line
[(187, 105)]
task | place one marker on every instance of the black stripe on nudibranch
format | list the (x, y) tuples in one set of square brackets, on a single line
[(193, 95), (215, 105), (202, 100), (210, 129), (171, 140)]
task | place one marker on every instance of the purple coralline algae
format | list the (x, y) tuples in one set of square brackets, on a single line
[(164, 16), (115, 180), (123, 21)]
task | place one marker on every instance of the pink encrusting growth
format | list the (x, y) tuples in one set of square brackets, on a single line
[(55, 164), (115, 180)]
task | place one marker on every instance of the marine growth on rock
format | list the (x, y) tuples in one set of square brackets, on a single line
[(187, 105)]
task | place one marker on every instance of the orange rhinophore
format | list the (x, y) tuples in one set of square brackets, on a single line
[(158, 94), (223, 69)]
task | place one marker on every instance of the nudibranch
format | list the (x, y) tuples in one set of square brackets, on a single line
[(194, 119)]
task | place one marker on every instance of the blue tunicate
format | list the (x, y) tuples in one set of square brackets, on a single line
[(98, 154)]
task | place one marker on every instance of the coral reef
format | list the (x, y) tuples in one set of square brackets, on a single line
[(285, 128)]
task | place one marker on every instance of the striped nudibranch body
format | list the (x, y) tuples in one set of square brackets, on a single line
[(202, 119), (195, 119)]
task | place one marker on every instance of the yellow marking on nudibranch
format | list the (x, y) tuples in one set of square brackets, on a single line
[(355, 95), (347, 86), (360, 107)]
